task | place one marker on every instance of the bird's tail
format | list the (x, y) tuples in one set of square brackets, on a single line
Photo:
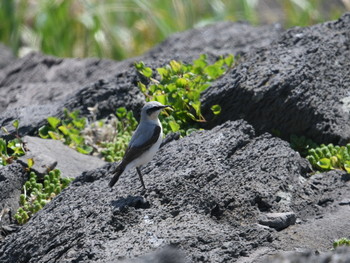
[(120, 169)]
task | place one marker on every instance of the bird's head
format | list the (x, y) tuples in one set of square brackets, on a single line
[(152, 109)]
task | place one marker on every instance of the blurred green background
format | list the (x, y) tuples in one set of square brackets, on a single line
[(119, 29)]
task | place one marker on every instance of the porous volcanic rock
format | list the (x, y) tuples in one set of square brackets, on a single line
[(216, 40), (340, 255), (37, 86), (6, 56), (297, 85), (205, 194), (53, 154), (12, 178)]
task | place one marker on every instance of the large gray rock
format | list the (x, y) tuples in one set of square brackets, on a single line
[(6, 56), (205, 195), (12, 178), (215, 40), (207, 192), (37, 86), (53, 154), (340, 255), (297, 85)]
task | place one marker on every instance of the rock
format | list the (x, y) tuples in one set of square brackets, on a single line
[(341, 254), (316, 232), (297, 85), (344, 202), (165, 255), (6, 56), (12, 178), (35, 87), (278, 221), (30, 118), (215, 40), (205, 194), (51, 154)]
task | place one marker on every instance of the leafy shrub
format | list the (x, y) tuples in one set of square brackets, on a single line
[(36, 194), (68, 130), (12, 149), (328, 157), (180, 86), (110, 137), (341, 242)]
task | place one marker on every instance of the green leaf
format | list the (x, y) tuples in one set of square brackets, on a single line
[(200, 63), (163, 72), (53, 121), (216, 109), (16, 146), (324, 163), (347, 166), (147, 72), (44, 132), (30, 162), (121, 113), (162, 99), (191, 116), (213, 71), (174, 126), (80, 123), (5, 130), (142, 87), (311, 159), (175, 66), (197, 107), (181, 82), (77, 139), (84, 149), (54, 135), (334, 162), (64, 129), (140, 65), (229, 60), (3, 146), (189, 131), (16, 124)]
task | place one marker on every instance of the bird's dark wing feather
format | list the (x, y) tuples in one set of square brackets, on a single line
[(136, 151)]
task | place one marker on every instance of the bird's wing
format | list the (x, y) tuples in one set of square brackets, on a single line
[(137, 147)]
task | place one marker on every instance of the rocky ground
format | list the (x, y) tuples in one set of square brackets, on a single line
[(231, 193)]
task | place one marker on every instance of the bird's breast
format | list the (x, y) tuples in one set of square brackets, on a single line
[(148, 155)]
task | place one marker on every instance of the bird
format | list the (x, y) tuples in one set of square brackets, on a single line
[(144, 143)]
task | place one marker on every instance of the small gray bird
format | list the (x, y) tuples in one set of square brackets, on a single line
[(144, 143)]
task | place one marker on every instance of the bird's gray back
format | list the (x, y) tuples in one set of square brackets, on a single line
[(143, 133)]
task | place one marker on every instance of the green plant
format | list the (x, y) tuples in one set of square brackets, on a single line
[(180, 86), (110, 137), (301, 144), (37, 193), (12, 149), (328, 157), (68, 130), (341, 242)]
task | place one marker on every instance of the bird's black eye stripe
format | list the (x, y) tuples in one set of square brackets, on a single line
[(151, 110)]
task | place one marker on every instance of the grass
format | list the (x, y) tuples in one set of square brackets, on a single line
[(119, 29)]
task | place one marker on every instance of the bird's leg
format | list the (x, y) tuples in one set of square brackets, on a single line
[(141, 179)]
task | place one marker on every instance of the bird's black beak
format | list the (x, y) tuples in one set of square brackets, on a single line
[(168, 106)]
